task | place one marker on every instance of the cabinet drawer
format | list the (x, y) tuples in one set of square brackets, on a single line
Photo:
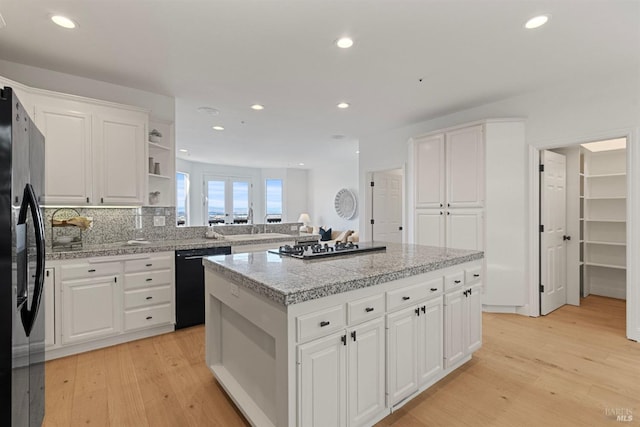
[(406, 296), (320, 322), (147, 317), (87, 270), (435, 286), (148, 264), (146, 279), (473, 274), (365, 308), (147, 297), (452, 281)]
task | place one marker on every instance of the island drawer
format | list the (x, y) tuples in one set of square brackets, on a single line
[(146, 317), (145, 279), (148, 264), (454, 280), (406, 296), (147, 297), (320, 323), (365, 308), (87, 270), (473, 274)]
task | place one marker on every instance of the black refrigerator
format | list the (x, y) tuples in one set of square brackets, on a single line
[(22, 250)]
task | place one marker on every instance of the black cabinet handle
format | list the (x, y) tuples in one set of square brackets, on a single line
[(93, 270), (434, 289), (476, 274), (87, 200), (456, 281), (465, 293), (448, 205), (470, 291), (324, 323), (343, 339), (149, 298), (440, 204), (448, 213), (406, 298), (440, 212), (368, 309), (417, 310), (424, 309), (148, 265), (149, 317), (353, 335)]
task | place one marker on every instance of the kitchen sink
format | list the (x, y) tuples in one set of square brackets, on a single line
[(260, 236)]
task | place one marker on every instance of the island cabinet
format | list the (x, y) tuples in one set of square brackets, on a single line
[(345, 348)]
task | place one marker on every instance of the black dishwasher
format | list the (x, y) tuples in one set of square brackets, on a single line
[(190, 284)]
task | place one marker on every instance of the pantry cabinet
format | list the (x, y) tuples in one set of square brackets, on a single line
[(94, 153), (462, 322)]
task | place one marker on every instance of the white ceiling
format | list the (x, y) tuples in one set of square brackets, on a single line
[(231, 54)]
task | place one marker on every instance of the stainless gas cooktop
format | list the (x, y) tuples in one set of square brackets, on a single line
[(320, 250)]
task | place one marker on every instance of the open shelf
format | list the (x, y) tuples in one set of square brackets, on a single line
[(158, 146), (153, 175), (597, 264), (593, 242)]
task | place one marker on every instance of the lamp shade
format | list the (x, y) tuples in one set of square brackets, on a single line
[(304, 218)]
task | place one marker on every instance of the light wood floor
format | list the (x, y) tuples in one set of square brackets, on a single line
[(565, 369)]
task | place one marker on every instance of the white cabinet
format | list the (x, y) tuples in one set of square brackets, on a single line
[(430, 341), (90, 305), (94, 154), (341, 376), (323, 382), (462, 322), (402, 354), (49, 307), (449, 188)]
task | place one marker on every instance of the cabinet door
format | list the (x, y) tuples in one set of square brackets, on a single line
[(322, 382), (49, 307), (465, 229), (90, 309), (429, 172), (473, 318), (402, 376), (430, 227), (366, 385), (454, 349), (465, 167), (68, 167), (119, 146), (430, 356)]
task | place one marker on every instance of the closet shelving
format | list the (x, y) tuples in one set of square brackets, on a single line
[(603, 206)]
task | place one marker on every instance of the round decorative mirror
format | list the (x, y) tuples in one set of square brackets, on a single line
[(345, 204)]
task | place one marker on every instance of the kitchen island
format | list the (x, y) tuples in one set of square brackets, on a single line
[(339, 341)]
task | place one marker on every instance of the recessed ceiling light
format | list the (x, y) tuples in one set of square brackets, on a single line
[(218, 127), (358, 152), (536, 22), (208, 110), (63, 21), (337, 136), (344, 42), (300, 164), (257, 107), (343, 105), (182, 150)]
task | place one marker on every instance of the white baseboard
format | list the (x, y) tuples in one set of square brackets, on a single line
[(605, 291), (501, 309)]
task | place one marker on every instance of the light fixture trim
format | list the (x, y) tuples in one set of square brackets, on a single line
[(257, 107), (536, 22), (64, 22), (344, 42), (218, 127), (208, 110), (343, 105)]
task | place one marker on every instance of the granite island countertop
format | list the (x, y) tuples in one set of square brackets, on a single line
[(122, 248), (287, 280)]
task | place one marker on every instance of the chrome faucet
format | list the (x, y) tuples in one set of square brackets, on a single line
[(250, 216), (264, 226)]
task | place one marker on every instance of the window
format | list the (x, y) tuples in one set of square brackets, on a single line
[(273, 192), (228, 200), (182, 198)]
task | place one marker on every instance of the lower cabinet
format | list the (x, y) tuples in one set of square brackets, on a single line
[(347, 366), (463, 322), (414, 348)]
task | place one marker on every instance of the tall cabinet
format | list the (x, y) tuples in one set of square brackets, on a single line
[(449, 188), (603, 234)]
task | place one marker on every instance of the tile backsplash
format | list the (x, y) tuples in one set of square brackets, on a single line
[(111, 225)]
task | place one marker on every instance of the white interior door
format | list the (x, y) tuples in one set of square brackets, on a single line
[(553, 208), (387, 206)]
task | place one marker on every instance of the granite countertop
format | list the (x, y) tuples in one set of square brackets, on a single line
[(288, 280), (122, 248)]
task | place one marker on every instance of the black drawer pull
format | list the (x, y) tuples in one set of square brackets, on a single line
[(368, 309), (149, 317), (324, 323), (149, 298), (456, 281), (93, 270), (434, 289), (149, 279), (406, 298), (470, 291), (476, 274), (148, 265), (424, 309)]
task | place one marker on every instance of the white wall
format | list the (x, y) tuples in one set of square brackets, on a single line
[(294, 192), (160, 106), (324, 184)]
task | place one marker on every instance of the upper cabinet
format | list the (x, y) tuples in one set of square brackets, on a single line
[(94, 154), (449, 169)]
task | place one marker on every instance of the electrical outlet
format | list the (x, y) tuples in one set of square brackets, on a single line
[(158, 221), (294, 227)]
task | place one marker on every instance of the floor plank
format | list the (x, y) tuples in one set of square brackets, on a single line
[(569, 368)]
